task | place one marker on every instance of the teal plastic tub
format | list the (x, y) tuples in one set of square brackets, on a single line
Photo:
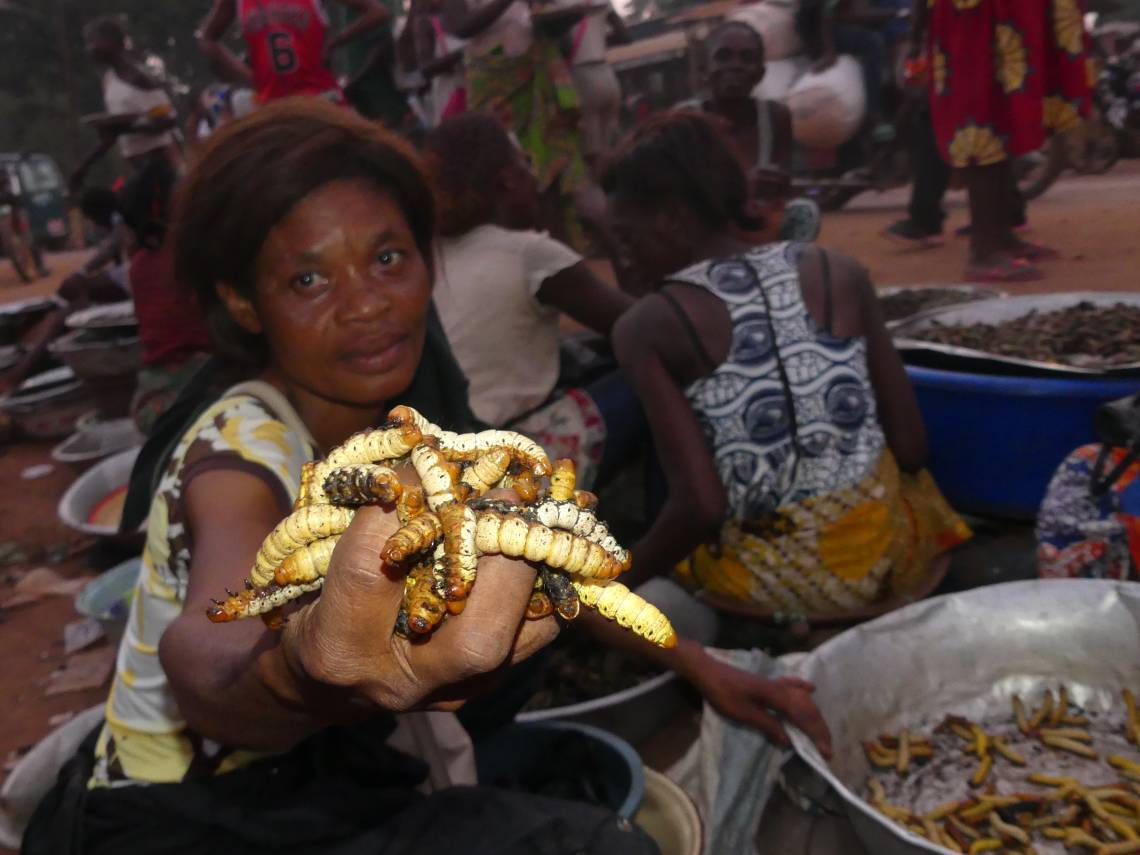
[(107, 597)]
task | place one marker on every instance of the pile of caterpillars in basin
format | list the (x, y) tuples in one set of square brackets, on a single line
[(447, 523)]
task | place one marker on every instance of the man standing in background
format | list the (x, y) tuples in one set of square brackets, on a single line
[(288, 43)]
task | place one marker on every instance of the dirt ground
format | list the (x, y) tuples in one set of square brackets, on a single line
[(1093, 221)]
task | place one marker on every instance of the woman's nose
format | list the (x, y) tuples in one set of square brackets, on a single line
[(361, 296)]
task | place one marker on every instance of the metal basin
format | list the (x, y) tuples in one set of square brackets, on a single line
[(93, 356), (965, 653)]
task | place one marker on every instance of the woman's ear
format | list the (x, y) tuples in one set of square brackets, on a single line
[(239, 306)]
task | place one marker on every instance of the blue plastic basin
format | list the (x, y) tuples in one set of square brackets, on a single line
[(996, 441)]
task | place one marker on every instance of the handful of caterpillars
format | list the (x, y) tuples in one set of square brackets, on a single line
[(1102, 818), (446, 524)]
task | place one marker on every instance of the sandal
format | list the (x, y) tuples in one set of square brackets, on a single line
[(1036, 252), (1017, 270)]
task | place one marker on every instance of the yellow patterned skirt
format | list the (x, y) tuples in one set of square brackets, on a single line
[(839, 551)]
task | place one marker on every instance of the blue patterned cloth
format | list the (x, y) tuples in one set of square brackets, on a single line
[(790, 413)]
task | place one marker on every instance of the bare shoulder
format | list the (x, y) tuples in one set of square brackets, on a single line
[(850, 287)]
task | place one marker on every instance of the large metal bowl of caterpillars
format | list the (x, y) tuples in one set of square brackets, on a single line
[(965, 653)]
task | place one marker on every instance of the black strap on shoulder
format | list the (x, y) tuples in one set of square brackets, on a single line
[(690, 328), (825, 271)]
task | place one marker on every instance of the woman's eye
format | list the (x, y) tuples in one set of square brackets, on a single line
[(388, 257), (307, 280)]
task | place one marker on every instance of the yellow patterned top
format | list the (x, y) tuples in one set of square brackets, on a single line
[(145, 739)]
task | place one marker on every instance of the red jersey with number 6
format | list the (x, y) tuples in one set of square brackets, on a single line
[(286, 39)]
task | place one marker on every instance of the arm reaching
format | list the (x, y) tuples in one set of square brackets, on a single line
[(337, 658)]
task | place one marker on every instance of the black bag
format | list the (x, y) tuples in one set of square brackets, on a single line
[(1117, 425)]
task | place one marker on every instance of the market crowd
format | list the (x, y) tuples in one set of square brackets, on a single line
[(306, 250)]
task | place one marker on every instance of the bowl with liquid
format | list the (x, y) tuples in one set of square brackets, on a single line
[(93, 504)]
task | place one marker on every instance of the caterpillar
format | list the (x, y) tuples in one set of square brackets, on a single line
[(419, 534), (363, 484), (370, 446), (615, 601), (297, 530), (446, 524), (486, 471)]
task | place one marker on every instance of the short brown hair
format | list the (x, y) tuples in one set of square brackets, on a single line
[(249, 176)]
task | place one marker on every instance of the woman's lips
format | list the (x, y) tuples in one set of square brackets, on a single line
[(376, 357)]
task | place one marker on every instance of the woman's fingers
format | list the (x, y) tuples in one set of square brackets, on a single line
[(533, 636), (797, 683), (767, 724), (358, 596), (481, 638)]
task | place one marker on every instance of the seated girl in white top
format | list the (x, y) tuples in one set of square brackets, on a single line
[(499, 289)]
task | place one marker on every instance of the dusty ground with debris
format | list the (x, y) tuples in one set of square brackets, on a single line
[(1092, 221)]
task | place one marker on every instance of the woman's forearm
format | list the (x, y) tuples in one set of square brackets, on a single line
[(677, 531), (254, 695)]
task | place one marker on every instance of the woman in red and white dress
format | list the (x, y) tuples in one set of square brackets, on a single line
[(288, 44)]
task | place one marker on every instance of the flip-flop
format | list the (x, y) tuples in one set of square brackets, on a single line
[(1008, 271)]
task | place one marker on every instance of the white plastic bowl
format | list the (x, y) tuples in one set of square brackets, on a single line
[(668, 815), (94, 439), (93, 485)]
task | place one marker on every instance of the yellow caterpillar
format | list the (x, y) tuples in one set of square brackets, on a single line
[(469, 446), (444, 515), (410, 504), (308, 563), (517, 537), (369, 446), (297, 530), (423, 608), (250, 603), (460, 557), (582, 522), (419, 534), (486, 471), (615, 601), (563, 480), (437, 476)]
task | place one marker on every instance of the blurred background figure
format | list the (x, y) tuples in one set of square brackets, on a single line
[(760, 130), (439, 56), (289, 44), (140, 115), (516, 72), (599, 91), (1002, 77)]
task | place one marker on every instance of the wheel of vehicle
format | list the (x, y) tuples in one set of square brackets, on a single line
[(1036, 172), (18, 250), (1099, 149)]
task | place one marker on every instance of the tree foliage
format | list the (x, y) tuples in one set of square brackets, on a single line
[(37, 37)]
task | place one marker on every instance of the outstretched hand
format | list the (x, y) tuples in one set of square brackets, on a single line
[(345, 637), (764, 704)]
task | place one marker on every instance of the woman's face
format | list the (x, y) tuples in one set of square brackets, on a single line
[(655, 242), (342, 295)]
